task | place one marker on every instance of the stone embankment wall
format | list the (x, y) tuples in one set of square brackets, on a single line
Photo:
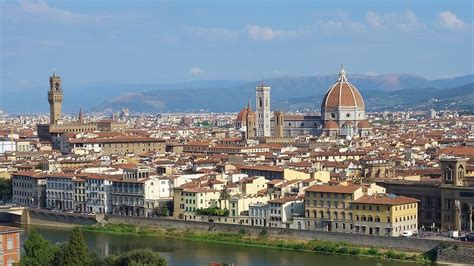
[(456, 254), (406, 244), (45, 217)]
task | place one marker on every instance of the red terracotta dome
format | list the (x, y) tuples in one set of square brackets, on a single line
[(364, 124), (330, 125), (342, 94), (242, 116)]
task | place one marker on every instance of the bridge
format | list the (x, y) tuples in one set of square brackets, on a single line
[(14, 214)]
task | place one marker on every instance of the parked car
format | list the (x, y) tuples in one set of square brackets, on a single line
[(467, 238), (406, 234)]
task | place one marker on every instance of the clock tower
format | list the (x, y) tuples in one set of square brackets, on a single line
[(55, 98)]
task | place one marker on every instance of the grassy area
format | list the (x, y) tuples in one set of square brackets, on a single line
[(262, 240)]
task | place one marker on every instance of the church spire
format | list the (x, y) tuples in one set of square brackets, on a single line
[(249, 108), (342, 75), (81, 119)]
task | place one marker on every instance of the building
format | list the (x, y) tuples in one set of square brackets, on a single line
[(360, 209), (342, 114), (262, 101), (29, 189), (99, 193), (282, 210), (447, 203), (343, 110), (9, 245), (55, 99), (138, 193), (188, 200), (245, 122), (385, 214), (53, 130), (60, 191), (120, 145)]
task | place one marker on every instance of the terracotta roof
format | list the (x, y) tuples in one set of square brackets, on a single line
[(330, 125), (385, 199), (342, 94), (333, 189)]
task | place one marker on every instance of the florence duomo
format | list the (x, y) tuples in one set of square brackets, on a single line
[(342, 115)]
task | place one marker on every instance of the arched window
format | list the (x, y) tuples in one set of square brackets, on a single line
[(460, 172), (321, 214)]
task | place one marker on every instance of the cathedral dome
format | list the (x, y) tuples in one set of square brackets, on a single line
[(242, 115), (331, 125), (342, 95)]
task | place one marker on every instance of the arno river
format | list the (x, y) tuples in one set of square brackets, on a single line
[(184, 253)]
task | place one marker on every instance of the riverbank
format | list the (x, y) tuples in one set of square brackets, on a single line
[(263, 240)]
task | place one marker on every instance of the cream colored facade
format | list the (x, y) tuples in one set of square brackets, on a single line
[(188, 200), (360, 209), (240, 204)]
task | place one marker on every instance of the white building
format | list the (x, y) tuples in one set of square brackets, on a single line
[(60, 191), (98, 193), (281, 211), (262, 102)]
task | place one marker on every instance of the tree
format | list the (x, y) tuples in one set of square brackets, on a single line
[(38, 251), (75, 251), (224, 196), (5, 189), (140, 257)]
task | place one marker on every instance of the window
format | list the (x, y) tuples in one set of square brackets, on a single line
[(10, 243)]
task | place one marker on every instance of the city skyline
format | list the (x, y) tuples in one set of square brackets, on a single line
[(95, 43)]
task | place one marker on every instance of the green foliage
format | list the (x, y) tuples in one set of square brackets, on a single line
[(38, 251), (263, 234), (213, 211), (140, 257), (5, 189), (75, 251)]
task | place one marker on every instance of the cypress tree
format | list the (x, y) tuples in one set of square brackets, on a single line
[(75, 251)]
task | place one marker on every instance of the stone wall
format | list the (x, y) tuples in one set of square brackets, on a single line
[(45, 217), (406, 244)]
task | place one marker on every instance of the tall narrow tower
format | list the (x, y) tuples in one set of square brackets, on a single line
[(55, 99), (279, 124), (262, 94)]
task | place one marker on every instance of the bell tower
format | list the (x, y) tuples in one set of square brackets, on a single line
[(263, 110), (55, 98)]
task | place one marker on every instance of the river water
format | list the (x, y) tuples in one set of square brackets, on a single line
[(187, 253)]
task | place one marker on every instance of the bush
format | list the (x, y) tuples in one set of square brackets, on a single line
[(373, 251), (213, 211)]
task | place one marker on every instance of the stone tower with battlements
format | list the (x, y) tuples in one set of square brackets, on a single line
[(55, 99)]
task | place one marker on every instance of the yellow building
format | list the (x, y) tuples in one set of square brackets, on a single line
[(362, 209), (385, 214), (188, 200)]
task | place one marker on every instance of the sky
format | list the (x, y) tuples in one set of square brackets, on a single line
[(136, 42)]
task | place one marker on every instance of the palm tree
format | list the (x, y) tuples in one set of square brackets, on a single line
[(224, 196)]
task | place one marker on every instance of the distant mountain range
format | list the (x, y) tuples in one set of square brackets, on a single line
[(381, 92)]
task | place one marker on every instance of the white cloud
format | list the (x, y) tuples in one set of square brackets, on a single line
[(265, 33), (212, 33), (449, 20), (338, 22), (405, 20), (373, 19), (196, 71), (42, 9)]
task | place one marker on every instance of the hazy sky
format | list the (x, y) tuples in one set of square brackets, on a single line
[(114, 42)]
